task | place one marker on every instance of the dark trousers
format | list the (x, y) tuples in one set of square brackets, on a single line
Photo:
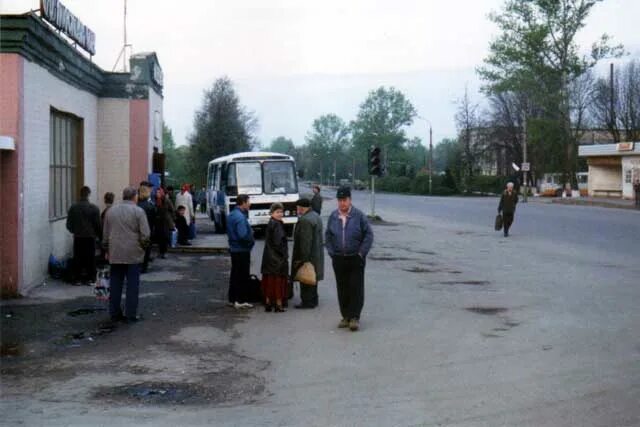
[(84, 259), (118, 274), (163, 242), (349, 271), (147, 257), (637, 199), (203, 207), (507, 220), (309, 295), (239, 280)]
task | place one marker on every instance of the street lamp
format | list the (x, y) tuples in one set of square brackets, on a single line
[(430, 154)]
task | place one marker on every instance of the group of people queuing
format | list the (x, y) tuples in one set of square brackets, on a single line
[(348, 238), (124, 234)]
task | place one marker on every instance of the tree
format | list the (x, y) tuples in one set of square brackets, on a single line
[(328, 142), (536, 54), (175, 158), (468, 125), (222, 126), (380, 122), (282, 145), (617, 108)]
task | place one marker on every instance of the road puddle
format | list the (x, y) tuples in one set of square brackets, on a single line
[(489, 311)]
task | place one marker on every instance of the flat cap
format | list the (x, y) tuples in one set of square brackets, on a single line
[(343, 193), (303, 202)]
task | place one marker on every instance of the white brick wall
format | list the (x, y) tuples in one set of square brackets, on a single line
[(41, 237), (113, 147), (155, 104)]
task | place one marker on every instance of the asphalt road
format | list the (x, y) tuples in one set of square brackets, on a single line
[(461, 327)]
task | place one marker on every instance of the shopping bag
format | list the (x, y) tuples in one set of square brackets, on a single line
[(306, 274), (498, 225), (174, 238), (102, 284)]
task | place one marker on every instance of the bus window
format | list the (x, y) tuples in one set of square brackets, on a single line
[(279, 178), (231, 184), (248, 178)]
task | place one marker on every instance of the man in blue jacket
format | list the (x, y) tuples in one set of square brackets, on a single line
[(240, 244), (348, 239)]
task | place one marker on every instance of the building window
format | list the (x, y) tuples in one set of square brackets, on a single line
[(65, 162), (627, 176)]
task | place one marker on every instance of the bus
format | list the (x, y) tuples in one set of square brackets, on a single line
[(265, 177)]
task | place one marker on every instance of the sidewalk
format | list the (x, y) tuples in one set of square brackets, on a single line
[(596, 201), (206, 241)]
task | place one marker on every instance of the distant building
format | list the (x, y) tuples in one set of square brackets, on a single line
[(64, 123)]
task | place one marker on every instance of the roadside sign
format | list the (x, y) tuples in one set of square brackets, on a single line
[(526, 167)]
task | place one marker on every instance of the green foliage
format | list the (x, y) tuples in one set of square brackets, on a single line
[(222, 126), (175, 158), (282, 145), (326, 152), (487, 184)]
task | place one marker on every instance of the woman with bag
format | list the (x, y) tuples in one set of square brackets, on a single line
[(275, 261)]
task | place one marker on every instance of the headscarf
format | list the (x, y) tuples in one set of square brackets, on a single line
[(160, 197), (184, 189)]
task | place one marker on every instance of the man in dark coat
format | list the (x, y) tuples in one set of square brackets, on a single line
[(507, 207), (149, 208), (307, 247), (349, 238), (316, 200), (83, 221)]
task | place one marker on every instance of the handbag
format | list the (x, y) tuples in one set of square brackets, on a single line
[(306, 274), (498, 225), (102, 285), (174, 238)]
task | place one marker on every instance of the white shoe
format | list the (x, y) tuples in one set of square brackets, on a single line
[(246, 305), (237, 305)]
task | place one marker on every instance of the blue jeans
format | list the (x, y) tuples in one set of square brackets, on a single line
[(118, 274)]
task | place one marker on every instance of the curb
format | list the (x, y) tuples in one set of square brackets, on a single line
[(199, 250), (593, 203)]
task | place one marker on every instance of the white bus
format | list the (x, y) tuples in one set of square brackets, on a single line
[(265, 177)]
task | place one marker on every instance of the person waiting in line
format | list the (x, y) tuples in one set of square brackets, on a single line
[(164, 222), (348, 239), (126, 234), (241, 242), (108, 202), (316, 200), (149, 208), (636, 189), (307, 247), (275, 261), (507, 207), (83, 221), (181, 225), (185, 199)]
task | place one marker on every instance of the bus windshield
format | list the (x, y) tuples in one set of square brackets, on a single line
[(249, 178), (279, 178)]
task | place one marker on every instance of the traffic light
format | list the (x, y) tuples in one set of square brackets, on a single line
[(375, 167)]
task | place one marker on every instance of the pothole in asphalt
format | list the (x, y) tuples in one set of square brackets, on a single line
[(84, 311), (487, 310), (466, 282), (220, 388)]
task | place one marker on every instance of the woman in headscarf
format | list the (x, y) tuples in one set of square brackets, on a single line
[(275, 261)]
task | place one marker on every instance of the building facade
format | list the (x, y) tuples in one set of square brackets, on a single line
[(65, 123), (612, 168)]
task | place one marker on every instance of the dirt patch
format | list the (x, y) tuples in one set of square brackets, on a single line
[(489, 311)]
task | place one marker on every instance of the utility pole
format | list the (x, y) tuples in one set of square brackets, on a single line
[(430, 160), (373, 196), (123, 52), (524, 157)]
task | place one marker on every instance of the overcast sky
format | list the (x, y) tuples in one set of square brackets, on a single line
[(294, 60)]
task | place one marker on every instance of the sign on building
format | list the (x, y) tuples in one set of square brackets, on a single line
[(60, 17)]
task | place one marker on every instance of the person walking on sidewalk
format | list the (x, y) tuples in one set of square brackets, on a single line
[(126, 235), (348, 239), (636, 189), (307, 247), (507, 207), (316, 200), (275, 261), (83, 221), (241, 242)]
